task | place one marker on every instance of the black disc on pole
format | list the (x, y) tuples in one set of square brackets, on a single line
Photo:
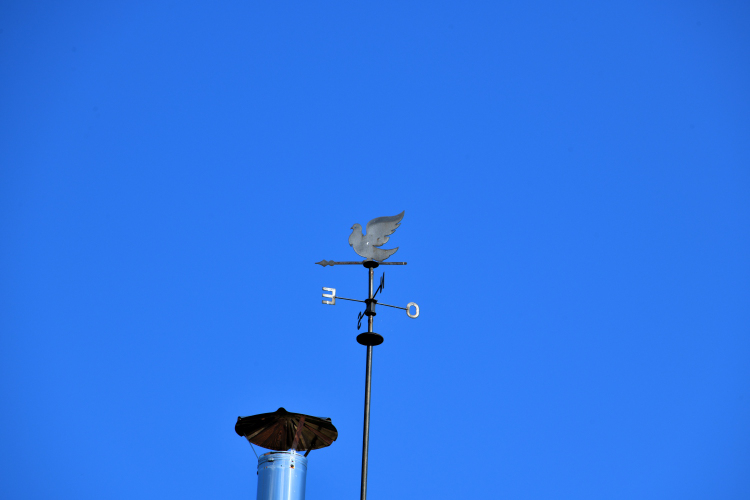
[(370, 338)]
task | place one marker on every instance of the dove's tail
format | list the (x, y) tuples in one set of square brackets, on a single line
[(381, 254)]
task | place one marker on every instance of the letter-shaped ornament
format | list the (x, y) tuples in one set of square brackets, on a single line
[(333, 297), (408, 310)]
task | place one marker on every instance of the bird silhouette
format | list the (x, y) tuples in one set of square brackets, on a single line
[(378, 230)]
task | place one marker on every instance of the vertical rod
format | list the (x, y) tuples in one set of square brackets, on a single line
[(369, 318), (368, 374), (366, 433)]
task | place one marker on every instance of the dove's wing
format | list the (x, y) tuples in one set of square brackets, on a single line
[(380, 228)]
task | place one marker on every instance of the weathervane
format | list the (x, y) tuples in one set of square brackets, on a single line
[(367, 246)]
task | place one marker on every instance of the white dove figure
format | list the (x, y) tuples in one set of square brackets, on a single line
[(378, 230)]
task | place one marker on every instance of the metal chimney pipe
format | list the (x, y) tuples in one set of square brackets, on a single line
[(282, 476), (282, 473)]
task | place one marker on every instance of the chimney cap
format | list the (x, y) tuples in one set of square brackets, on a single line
[(282, 430)]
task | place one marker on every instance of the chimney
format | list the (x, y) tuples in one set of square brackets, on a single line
[(282, 473), (281, 476)]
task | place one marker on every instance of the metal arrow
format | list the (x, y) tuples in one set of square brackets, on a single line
[(325, 263)]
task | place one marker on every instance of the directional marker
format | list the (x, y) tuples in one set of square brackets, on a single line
[(325, 263), (370, 302)]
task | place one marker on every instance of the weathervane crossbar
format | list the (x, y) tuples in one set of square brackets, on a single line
[(325, 263), (370, 303)]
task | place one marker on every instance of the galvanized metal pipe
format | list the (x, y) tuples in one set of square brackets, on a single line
[(282, 476)]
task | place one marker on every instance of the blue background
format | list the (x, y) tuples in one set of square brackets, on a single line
[(575, 178)]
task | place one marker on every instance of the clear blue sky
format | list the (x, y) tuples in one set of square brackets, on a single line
[(575, 177)]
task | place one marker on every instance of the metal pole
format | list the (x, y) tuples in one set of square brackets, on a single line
[(368, 374), (366, 434), (369, 318)]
